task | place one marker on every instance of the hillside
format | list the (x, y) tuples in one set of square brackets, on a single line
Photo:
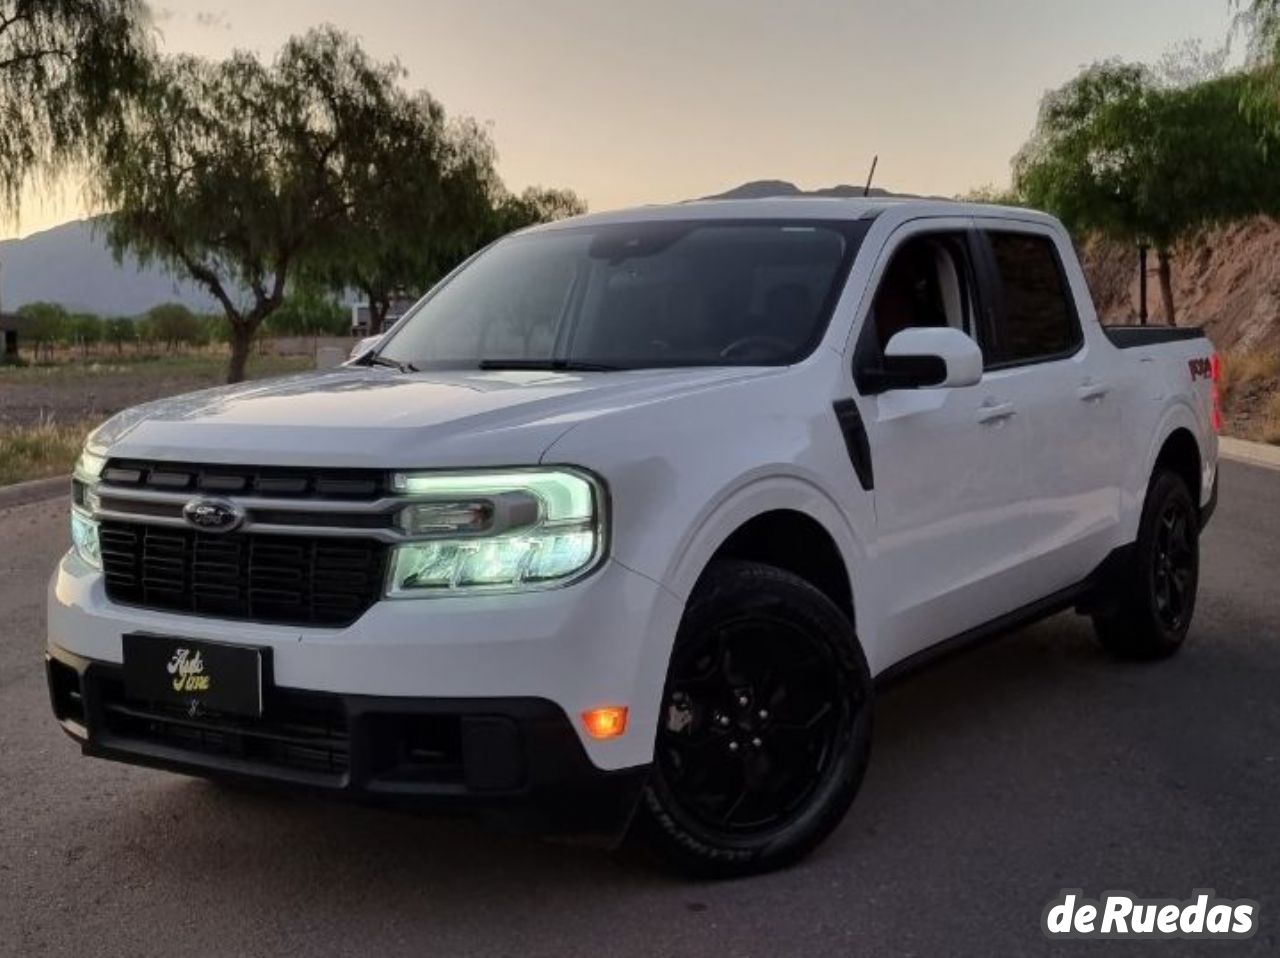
[(1227, 281), (71, 265)]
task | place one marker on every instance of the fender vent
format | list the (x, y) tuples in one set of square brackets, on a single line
[(855, 441)]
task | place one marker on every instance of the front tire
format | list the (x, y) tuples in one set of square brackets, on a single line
[(1154, 592), (765, 729)]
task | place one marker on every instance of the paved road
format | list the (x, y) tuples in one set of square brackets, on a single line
[(997, 779)]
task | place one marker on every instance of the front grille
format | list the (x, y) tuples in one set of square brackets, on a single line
[(293, 580), (304, 731), (270, 482)]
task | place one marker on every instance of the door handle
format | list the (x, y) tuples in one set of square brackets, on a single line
[(1092, 391), (992, 412)]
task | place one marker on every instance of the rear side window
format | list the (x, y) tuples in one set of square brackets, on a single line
[(1039, 316)]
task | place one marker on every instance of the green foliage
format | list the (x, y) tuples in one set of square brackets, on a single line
[(1118, 152), (421, 202), (428, 197), (43, 323), (119, 331), (309, 312), (64, 68), (1259, 20), (1087, 159), (993, 195), (173, 324), (535, 205), (314, 170), (84, 329), (234, 173)]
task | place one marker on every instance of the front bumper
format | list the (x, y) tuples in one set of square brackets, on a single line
[(516, 761), (603, 641)]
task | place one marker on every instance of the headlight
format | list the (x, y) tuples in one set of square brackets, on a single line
[(84, 536), (516, 530), (84, 503)]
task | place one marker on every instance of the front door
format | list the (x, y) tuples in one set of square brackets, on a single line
[(949, 480)]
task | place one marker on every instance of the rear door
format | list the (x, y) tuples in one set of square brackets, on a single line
[(1060, 384)]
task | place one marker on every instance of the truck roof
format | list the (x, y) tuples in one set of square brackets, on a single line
[(798, 207)]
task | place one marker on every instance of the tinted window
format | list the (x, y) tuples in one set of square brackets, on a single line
[(1039, 320), (634, 295), (925, 284)]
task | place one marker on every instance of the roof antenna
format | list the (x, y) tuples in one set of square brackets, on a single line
[(866, 190)]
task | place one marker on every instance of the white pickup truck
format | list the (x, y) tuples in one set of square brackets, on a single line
[(623, 524)]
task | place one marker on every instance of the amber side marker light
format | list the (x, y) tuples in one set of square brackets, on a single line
[(608, 722)]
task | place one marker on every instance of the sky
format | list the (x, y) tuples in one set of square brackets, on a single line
[(651, 101)]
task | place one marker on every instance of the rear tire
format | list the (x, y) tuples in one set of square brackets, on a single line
[(1154, 593), (765, 728)]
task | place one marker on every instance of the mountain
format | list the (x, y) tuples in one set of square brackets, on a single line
[(70, 264), (763, 189)]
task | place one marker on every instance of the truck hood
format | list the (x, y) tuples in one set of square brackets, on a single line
[(353, 416)]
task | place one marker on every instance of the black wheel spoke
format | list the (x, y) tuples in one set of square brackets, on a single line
[(1173, 565), (753, 709)]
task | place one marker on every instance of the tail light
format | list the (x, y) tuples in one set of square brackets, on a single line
[(1215, 376)]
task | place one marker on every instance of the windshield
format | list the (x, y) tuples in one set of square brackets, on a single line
[(634, 295)]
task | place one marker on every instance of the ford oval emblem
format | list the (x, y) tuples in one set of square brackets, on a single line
[(213, 515)]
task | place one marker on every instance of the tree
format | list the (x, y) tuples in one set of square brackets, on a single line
[(65, 66), (1259, 20), (534, 205), (309, 312), (234, 173), (120, 330), (173, 324), (422, 205), (1118, 153), (44, 324), (415, 221), (992, 194), (84, 330)]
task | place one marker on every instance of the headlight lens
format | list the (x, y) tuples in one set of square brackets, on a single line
[(84, 536), (84, 503), (501, 531)]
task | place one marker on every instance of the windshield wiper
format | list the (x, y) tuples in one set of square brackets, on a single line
[(373, 359), (554, 365)]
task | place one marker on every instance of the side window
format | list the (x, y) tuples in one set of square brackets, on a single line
[(1039, 319), (927, 283)]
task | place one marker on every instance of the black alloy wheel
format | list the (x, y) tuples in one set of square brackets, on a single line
[(765, 727), (750, 723), (1149, 599), (1173, 571)]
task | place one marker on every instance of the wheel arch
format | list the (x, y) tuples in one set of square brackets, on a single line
[(799, 544), (1176, 441), (1180, 453), (783, 521)]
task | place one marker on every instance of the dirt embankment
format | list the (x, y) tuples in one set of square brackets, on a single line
[(1227, 281)]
